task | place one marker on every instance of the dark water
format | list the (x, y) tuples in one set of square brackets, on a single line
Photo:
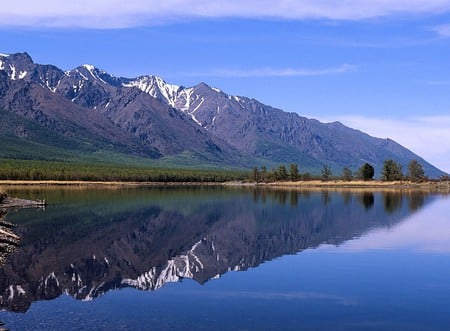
[(214, 258)]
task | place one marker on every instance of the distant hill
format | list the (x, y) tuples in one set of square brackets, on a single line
[(48, 113)]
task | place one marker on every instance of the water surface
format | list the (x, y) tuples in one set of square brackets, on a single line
[(220, 258)]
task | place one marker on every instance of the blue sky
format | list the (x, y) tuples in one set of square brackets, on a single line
[(379, 66)]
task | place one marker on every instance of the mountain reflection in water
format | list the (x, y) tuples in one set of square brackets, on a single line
[(89, 242)]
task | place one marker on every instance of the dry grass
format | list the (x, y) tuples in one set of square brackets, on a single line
[(359, 184), (443, 186)]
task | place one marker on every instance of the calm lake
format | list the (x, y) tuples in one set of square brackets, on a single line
[(218, 258)]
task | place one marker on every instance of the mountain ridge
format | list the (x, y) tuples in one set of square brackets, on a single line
[(148, 117)]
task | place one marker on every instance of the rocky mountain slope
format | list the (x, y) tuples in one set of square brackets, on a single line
[(89, 109)]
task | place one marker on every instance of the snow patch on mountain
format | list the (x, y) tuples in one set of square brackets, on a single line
[(22, 74), (214, 118), (94, 72), (81, 74), (156, 87), (179, 97), (89, 67), (13, 72), (184, 98)]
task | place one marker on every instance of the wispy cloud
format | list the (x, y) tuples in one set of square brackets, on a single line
[(427, 136), (438, 82), (442, 30), (119, 14), (273, 72)]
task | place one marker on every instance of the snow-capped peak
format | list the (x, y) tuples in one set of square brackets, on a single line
[(93, 72), (156, 87), (4, 55), (89, 67)]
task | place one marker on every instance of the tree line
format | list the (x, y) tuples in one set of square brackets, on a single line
[(391, 171), (40, 170), (48, 170)]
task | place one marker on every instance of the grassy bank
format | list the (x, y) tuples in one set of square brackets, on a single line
[(437, 186)]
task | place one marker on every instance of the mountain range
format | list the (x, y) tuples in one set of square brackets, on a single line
[(88, 114)]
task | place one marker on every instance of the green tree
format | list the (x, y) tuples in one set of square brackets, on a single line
[(264, 174), (256, 175), (326, 172), (281, 173), (293, 172), (391, 171), (415, 171), (306, 176), (347, 174), (366, 172)]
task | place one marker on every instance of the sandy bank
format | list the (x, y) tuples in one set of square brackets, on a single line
[(443, 186)]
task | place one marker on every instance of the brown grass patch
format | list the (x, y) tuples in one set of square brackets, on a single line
[(359, 184)]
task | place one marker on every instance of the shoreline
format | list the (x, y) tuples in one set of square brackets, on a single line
[(335, 184), (403, 184)]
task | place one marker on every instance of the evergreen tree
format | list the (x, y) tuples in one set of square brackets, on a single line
[(326, 172), (391, 171), (264, 175), (281, 173), (415, 171), (293, 172), (256, 176), (366, 172), (347, 174)]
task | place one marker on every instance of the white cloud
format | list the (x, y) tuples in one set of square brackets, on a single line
[(442, 30), (131, 13), (272, 72), (429, 137)]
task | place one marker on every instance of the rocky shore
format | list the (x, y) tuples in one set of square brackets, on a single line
[(8, 239)]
